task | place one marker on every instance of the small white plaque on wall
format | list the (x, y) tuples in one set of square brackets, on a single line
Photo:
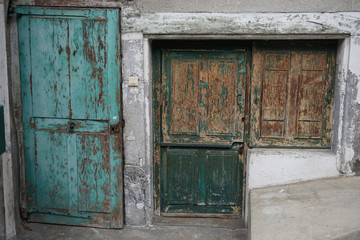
[(133, 81)]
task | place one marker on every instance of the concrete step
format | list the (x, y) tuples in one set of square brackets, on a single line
[(326, 209)]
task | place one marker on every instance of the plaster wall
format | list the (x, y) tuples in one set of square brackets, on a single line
[(247, 6), (212, 6), (7, 184), (351, 129), (268, 167), (2, 209)]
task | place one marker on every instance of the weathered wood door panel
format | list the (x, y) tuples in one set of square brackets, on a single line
[(291, 89), (202, 126), (70, 80), (204, 96)]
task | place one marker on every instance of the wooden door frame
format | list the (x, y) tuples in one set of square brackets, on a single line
[(157, 98)]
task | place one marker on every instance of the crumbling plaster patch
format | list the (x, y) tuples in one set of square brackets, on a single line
[(137, 171), (136, 196), (351, 129)]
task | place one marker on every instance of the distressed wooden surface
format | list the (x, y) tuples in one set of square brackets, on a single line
[(203, 96), (205, 181), (70, 76), (292, 89), (203, 107)]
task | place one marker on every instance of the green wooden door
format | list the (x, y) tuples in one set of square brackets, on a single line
[(70, 82), (202, 130)]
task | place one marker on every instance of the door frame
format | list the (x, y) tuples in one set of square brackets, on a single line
[(157, 46)]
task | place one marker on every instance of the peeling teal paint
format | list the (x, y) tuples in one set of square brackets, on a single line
[(70, 80)]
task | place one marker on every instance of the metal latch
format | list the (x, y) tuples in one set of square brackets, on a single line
[(115, 128), (71, 126), (238, 146)]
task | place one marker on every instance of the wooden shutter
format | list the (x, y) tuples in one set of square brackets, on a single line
[(292, 94)]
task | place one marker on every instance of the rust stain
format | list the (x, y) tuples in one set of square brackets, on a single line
[(68, 51), (32, 123), (60, 50)]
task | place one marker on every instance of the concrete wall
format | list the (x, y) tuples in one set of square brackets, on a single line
[(146, 20), (137, 171), (350, 154), (268, 167), (6, 183), (247, 6)]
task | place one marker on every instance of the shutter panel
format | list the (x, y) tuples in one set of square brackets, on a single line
[(292, 94)]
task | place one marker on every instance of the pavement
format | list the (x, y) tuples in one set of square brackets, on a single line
[(37, 231), (326, 209)]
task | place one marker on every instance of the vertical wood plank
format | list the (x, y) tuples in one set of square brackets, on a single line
[(183, 176), (222, 92), (329, 97), (115, 117), (157, 104), (51, 164), (26, 98), (222, 177), (93, 173), (311, 94), (184, 97), (292, 99), (203, 95), (51, 89), (240, 97), (73, 174), (255, 94), (88, 69)]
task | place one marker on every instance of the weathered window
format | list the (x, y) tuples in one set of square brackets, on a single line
[(292, 93)]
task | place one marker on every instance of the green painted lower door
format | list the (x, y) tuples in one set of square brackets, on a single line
[(201, 171), (70, 82)]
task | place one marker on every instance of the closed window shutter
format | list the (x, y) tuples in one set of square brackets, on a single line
[(291, 94)]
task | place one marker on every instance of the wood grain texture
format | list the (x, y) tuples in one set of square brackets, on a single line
[(203, 107), (203, 96), (292, 94), (70, 76)]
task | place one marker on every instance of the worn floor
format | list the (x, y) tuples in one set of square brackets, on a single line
[(57, 232), (317, 210)]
